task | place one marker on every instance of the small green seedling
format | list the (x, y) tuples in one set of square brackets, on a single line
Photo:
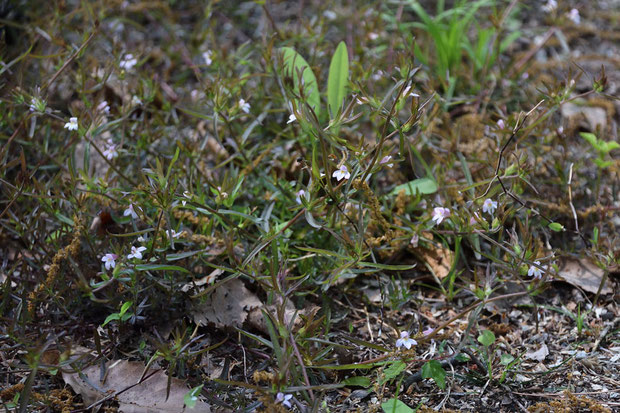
[(122, 315), (191, 397), (487, 338), (602, 148)]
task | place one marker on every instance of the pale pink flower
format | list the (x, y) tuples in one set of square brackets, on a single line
[(109, 261), (285, 399), (550, 6), (405, 341), (128, 62), (244, 106), (300, 194), (535, 271), (341, 173), (136, 252), (386, 160), (110, 152), (130, 211), (72, 124), (207, 57), (574, 16), (489, 206), (439, 214)]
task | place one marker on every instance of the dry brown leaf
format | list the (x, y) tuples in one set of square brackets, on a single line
[(538, 355), (439, 259), (207, 279), (257, 321), (146, 397), (584, 274), (228, 306)]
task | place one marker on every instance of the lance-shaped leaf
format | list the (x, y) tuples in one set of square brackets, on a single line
[(338, 79), (295, 64)]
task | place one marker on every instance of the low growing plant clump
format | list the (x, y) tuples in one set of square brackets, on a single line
[(280, 206)]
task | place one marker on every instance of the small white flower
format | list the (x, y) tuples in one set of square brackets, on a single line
[(130, 211), (330, 15), (136, 252), (574, 16), (110, 152), (207, 57), (439, 214), (550, 6), (109, 260), (489, 206), (292, 118), (373, 36), (385, 160), (103, 107), (72, 124), (174, 233), (535, 271), (142, 239), (285, 399), (301, 193), (405, 341), (244, 106), (128, 62), (341, 173), (428, 331), (135, 101), (414, 241), (409, 92), (501, 124), (187, 195)]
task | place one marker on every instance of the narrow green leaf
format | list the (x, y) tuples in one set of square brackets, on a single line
[(111, 317), (125, 307), (338, 79), (360, 381), (390, 267), (160, 267), (421, 185), (294, 64), (395, 406)]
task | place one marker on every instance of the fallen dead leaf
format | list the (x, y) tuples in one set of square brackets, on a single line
[(228, 306), (207, 279), (439, 259), (121, 378), (257, 321), (538, 355), (584, 274)]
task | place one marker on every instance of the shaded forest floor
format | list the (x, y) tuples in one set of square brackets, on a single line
[(298, 206)]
